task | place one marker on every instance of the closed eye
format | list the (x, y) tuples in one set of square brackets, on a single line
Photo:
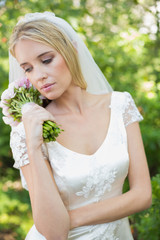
[(28, 69), (47, 61)]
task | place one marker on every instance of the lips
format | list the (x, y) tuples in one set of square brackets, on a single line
[(47, 86)]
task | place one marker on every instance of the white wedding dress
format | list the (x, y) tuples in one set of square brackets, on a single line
[(84, 179)]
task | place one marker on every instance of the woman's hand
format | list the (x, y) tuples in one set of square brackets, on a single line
[(33, 117), (73, 218)]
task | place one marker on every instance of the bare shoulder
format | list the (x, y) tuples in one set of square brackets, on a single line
[(91, 101), (99, 100)]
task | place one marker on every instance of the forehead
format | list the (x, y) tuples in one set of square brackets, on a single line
[(27, 50)]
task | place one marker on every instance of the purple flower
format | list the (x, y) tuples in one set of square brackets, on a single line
[(8, 93), (10, 121), (1, 104), (28, 83), (5, 111), (18, 99), (24, 82), (20, 83)]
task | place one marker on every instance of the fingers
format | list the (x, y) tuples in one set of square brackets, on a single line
[(33, 117), (32, 111), (27, 106)]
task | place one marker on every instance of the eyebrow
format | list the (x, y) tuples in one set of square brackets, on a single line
[(22, 64)]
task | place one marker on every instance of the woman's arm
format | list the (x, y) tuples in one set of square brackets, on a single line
[(49, 213), (136, 199)]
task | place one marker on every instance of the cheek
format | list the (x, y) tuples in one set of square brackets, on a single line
[(31, 80), (63, 68), (67, 75), (34, 83)]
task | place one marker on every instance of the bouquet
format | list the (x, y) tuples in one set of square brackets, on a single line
[(12, 101)]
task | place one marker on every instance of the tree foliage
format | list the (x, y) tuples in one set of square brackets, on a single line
[(147, 223), (123, 37)]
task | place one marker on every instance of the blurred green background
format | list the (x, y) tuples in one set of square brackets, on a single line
[(124, 39)]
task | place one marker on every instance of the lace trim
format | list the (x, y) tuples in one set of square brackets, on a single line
[(107, 231), (19, 148), (98, 181), (130, 113)]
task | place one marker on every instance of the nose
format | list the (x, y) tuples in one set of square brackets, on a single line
[(39, 74)]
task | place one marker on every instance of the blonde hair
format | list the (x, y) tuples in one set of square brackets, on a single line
[(45, 32)]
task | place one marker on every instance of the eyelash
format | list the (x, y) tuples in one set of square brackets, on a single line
[(27, 70), (47, 61)]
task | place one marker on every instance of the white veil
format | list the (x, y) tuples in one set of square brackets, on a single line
[(96, 81)]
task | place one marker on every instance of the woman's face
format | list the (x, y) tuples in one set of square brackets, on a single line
[(44, 67)]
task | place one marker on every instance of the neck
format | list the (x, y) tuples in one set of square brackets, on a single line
[(72, 101)]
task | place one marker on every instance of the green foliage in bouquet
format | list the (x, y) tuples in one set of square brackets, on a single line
[(13, 100)]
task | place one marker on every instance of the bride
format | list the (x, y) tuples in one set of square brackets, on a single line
[(75, 183)]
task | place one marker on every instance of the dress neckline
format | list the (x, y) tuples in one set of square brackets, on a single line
[(105, 139)]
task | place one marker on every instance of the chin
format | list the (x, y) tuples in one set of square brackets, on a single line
[(53, 96)]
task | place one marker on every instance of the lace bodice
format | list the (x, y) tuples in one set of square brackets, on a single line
[(84, 179)]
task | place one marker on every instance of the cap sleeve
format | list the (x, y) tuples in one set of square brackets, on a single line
[(18, 146), (130, 112), (19, 149)]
